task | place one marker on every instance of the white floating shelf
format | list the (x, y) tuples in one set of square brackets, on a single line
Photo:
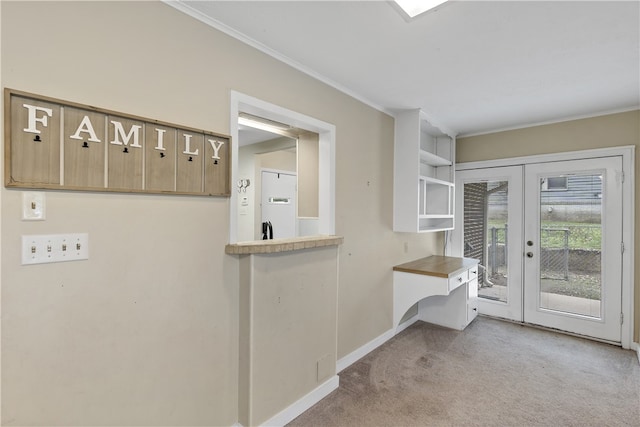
[(433, 160), (430, 180), (435, 216)]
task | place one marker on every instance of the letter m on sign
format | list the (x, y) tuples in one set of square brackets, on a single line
[(120, 137)]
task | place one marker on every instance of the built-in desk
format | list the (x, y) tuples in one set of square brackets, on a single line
[(445, 288)]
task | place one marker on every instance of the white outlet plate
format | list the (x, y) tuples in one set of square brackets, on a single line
[(33, 206), (46, 248)]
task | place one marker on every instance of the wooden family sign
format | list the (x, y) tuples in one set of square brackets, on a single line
[(54, 144)]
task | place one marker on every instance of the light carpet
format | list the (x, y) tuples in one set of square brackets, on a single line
[(494, 373)]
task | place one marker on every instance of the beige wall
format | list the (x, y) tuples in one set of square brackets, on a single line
[(146, 331), (605, 131), (281, 160), (308, 169), (286, 296)]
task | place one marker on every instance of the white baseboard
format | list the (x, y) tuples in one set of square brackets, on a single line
[(297, 408), (359, 353), (306, 402)]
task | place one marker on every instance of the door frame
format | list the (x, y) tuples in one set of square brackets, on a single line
[(628, 213)]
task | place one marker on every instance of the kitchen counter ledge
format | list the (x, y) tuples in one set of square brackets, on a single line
[(282, 245)]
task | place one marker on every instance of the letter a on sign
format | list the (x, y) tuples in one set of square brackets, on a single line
[(85, 127)]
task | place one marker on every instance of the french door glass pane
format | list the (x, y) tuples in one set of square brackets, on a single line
[(570, 244), (486, 235)]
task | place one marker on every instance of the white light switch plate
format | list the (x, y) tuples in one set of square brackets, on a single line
[(46, 248), (33, 206)]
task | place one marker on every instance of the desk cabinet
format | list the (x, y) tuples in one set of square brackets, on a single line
[(445, 288)]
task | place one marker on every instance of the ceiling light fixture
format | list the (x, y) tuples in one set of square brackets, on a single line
[(414, 8), (265, 124)]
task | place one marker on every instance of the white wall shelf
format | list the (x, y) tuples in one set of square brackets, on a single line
[(433, 160), (424, 155), (436, 181)]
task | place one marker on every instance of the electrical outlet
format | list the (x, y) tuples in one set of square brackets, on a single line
[(33, 206), (40, 249)]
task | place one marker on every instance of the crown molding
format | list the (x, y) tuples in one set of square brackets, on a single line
[(196, 14)]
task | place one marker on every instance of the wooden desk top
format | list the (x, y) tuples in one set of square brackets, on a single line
[(437, 265)]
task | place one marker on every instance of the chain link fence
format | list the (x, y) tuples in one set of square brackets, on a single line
[(563, 250), (554, 253)]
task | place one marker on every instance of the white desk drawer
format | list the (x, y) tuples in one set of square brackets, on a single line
[(473, 272), (473, 289), (472, 310), (458, 280)]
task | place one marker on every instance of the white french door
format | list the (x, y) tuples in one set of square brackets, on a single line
[(548, 237), (573, 256), (489, 213)]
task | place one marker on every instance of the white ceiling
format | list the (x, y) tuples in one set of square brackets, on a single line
[(472, 66)]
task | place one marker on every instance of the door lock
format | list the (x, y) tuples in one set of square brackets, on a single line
[(529, 243), (529, 254)]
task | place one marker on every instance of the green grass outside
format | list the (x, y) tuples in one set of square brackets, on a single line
[(581, 235)]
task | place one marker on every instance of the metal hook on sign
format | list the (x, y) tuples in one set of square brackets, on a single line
[(85, 145), (37, 138)]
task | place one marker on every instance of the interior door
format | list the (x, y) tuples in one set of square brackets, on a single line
[(489, 228), (573, 256), (279, 203)]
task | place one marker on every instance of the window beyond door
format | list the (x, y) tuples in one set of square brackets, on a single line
[(571, 244), (490, 230), (486, 219)]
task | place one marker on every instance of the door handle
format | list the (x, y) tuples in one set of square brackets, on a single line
[(529, 254)]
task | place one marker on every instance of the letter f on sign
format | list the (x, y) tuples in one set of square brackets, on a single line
[(33, 118)]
